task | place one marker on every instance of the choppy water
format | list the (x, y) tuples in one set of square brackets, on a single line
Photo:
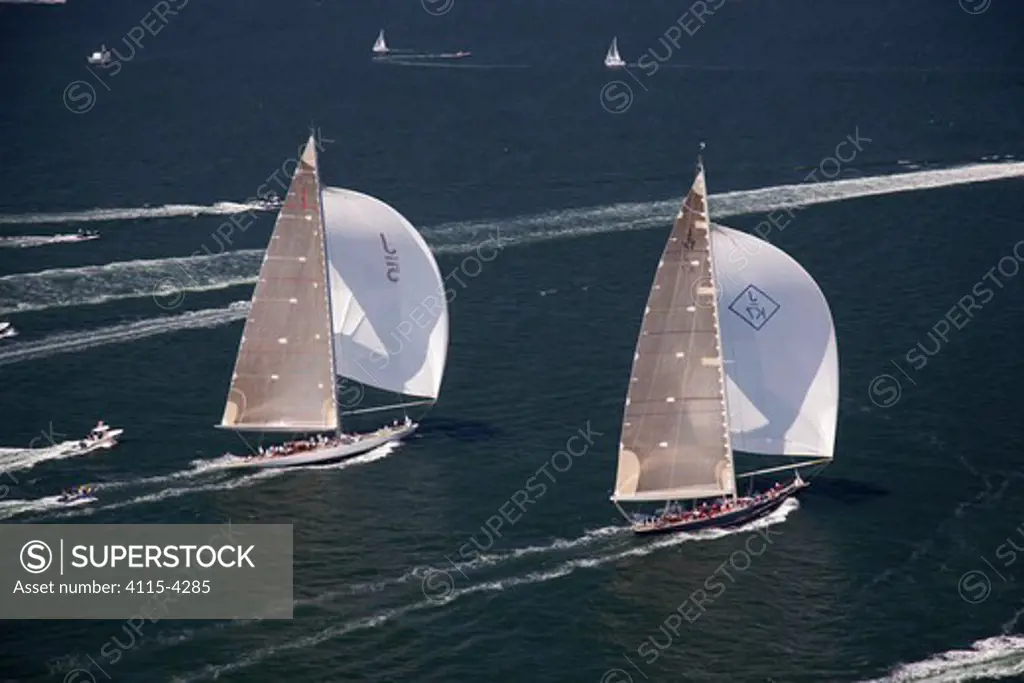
[(863, 580)]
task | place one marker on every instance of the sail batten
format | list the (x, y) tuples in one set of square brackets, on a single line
[(283, 378), (736, 351), (674, 432)]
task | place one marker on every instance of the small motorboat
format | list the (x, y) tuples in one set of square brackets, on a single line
[(101, 56), (72, 237), (7, 330), (77, 495), (102, 437), (85, 234), (272, 201)]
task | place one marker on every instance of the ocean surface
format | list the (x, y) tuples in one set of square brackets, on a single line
[(895, 126)]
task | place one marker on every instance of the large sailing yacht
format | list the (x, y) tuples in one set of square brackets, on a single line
[(343, 291), (736, 353)]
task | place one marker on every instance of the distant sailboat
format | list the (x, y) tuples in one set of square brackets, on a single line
[(347, 288), (759, 376), (612, 59), (380, 46), (7, 330)]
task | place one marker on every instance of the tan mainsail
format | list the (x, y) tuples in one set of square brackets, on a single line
[(284, 376), (675, 437)]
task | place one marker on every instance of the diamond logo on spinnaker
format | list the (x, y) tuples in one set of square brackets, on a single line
[(755, 307)]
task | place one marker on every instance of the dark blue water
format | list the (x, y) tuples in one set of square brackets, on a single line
[(863, 578)]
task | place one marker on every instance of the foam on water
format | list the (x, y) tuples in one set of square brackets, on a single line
[(256, 657), (991, 658), (166, 278), (128, 214), (158, 278), (26, 241), (221, 484), (17, 459), (482, 561), (70, 342), (13, 508)]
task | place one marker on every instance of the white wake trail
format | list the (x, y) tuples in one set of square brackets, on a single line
[(807, 194), (126, 214), (163, 279), (159, 278), (27, 241), (991, 658), (572, 223), (17, 459), (13, 508), (168, 278), (70, 342), (222, 484), (482, 561), (256, 657)]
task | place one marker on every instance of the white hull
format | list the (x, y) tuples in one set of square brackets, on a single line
[(78, 501), (8, 333), (74, 238), (324, 455), (108, 441), (614, 63), (96, 58)]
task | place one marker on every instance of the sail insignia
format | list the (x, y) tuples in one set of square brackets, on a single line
[(390, 311), (736, 351), (779, 343), (754, 306)]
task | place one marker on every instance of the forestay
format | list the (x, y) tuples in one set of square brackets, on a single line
[(283, 378), (674, 436), (387, 294), (779, 343)]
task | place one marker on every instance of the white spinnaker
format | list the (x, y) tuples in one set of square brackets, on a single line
[(387, 295), (779, 345)]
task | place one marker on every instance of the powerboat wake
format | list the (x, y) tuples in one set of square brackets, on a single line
[(102, 437)]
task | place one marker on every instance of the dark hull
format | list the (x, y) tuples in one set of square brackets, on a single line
[(730, 519)]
